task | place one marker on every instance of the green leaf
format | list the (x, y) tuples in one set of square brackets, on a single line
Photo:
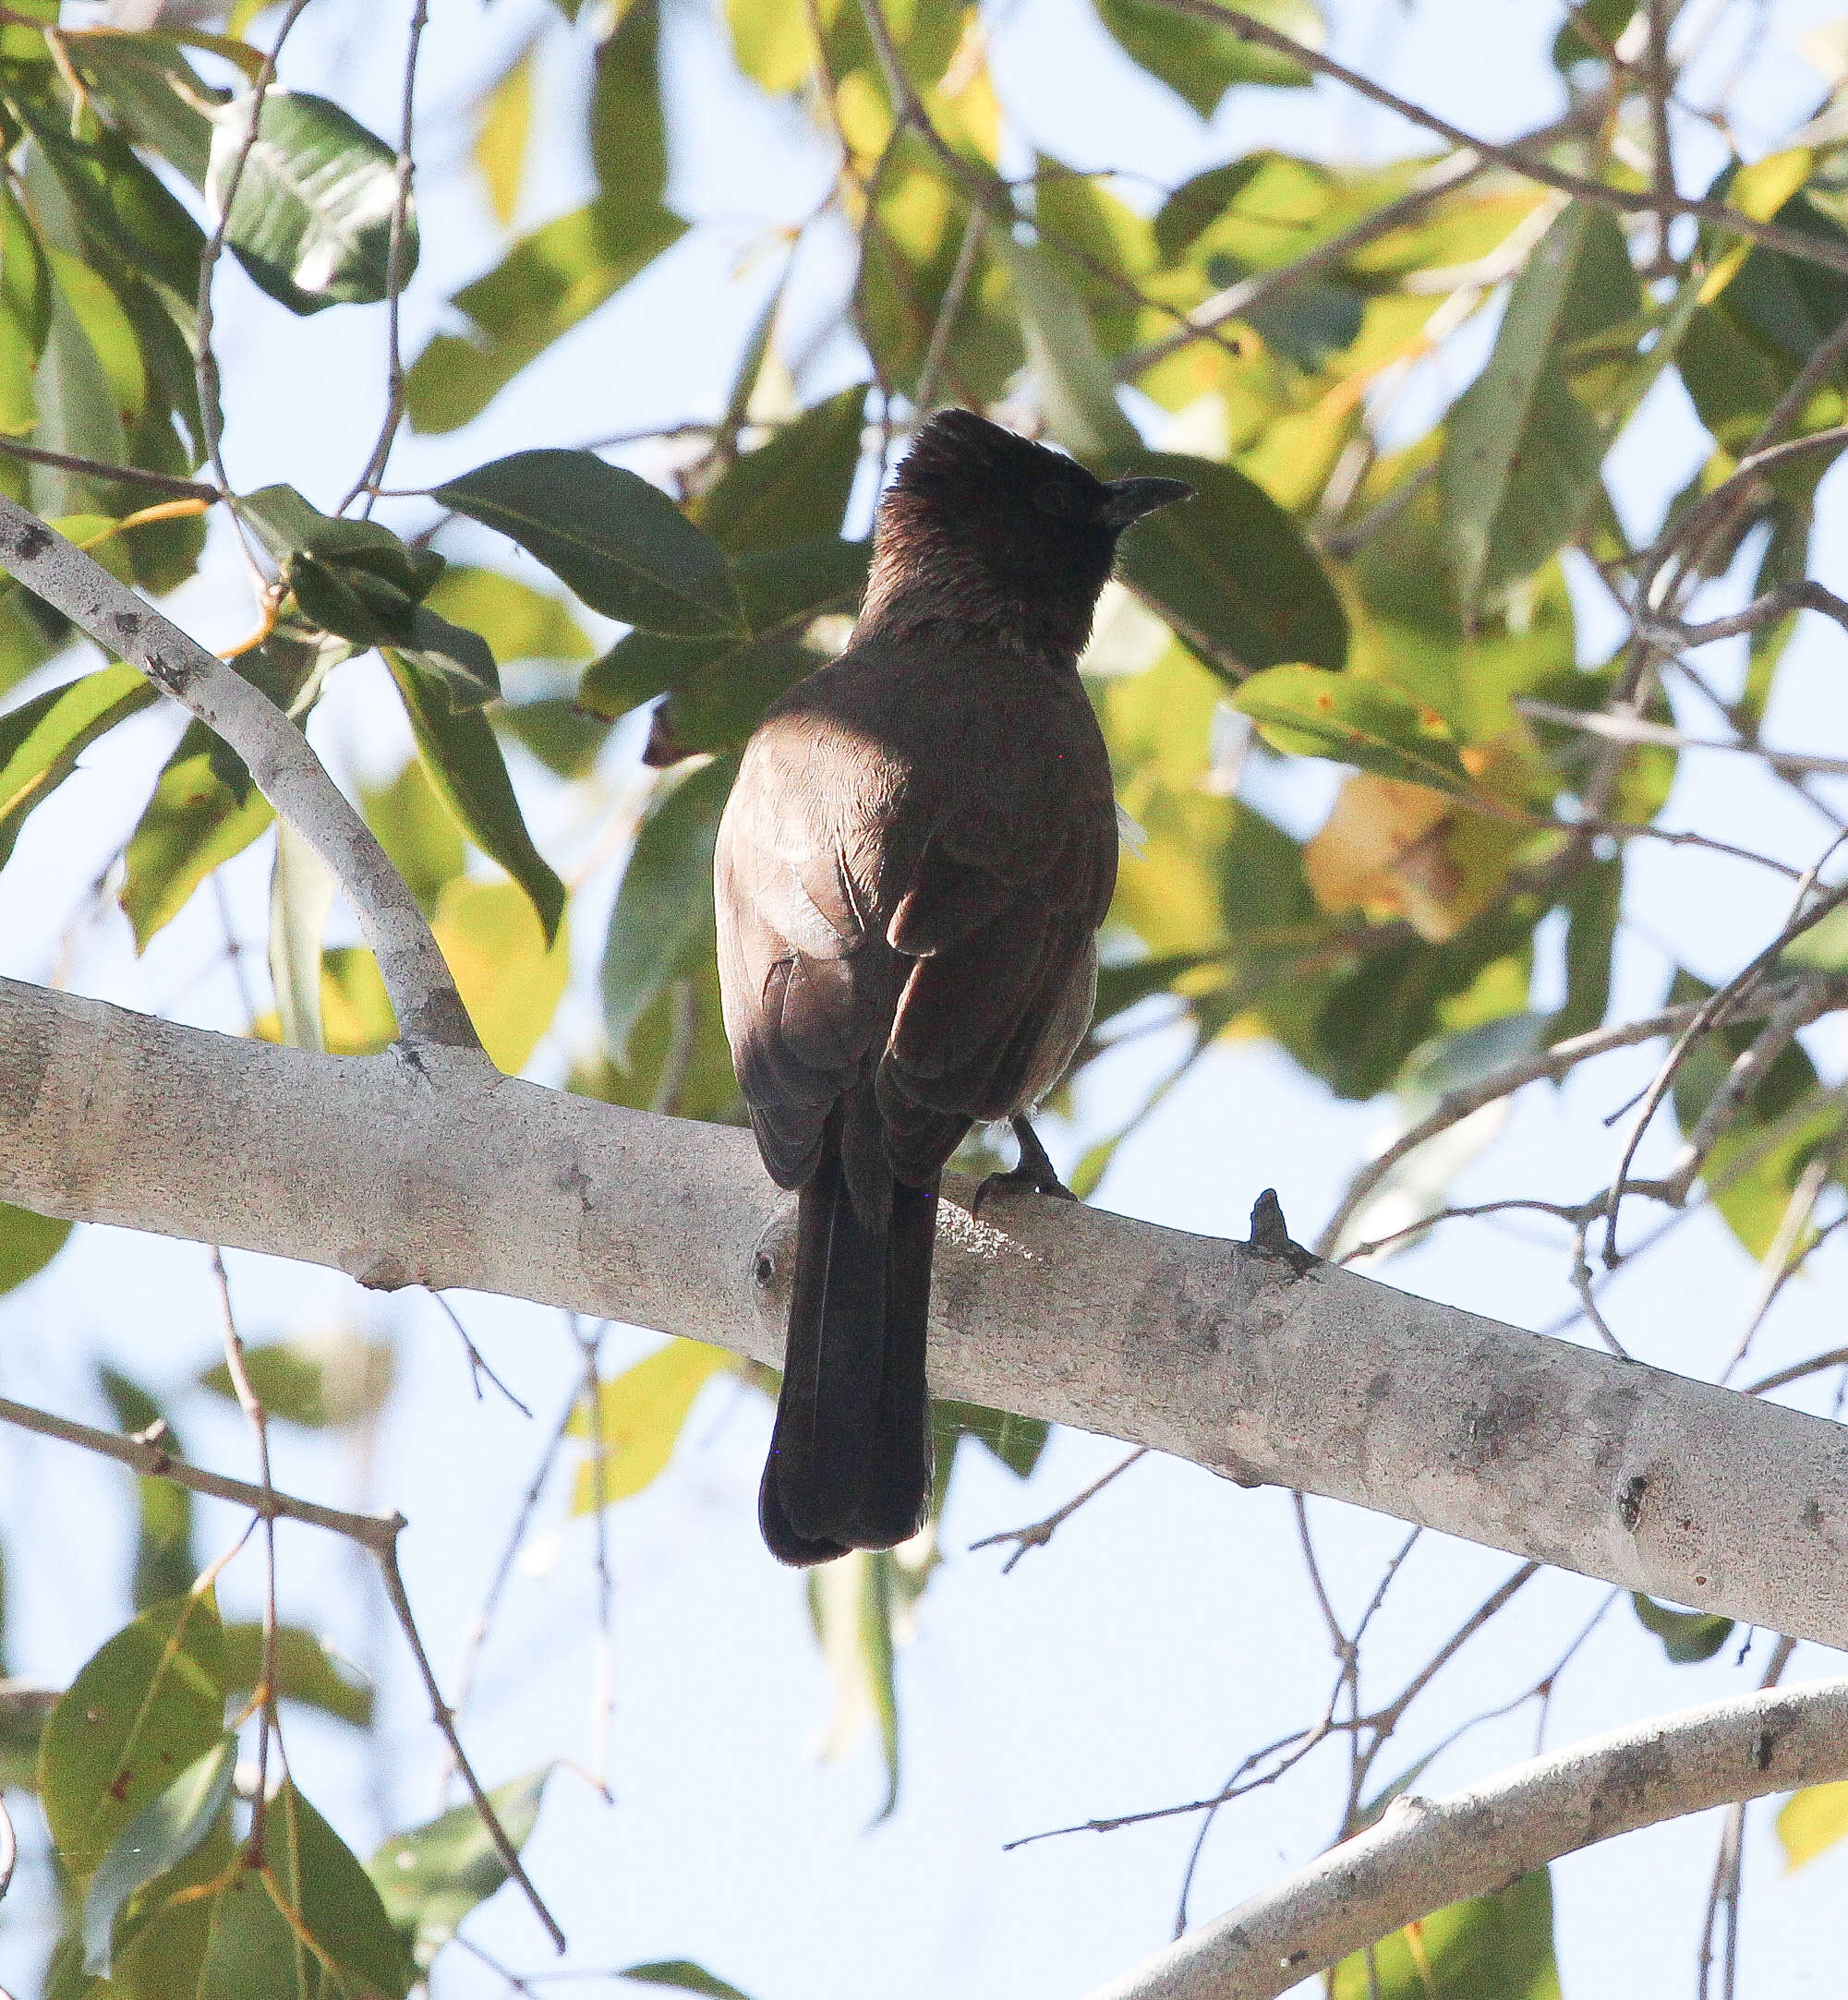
[(1352, 720), (321, 1381), (290, 527), (301, 898), (25, 314), (1687, 1637), (557, 731), (683, 1975), (1200, 62), (463, 761), (160, 1835), (195, 821), (321, 1883), (544, 286), (1017, 1442), (1492, 1947), (620, 543), (1609, 17), (1521, 452), (307, 1671), (663, 916), (417, 831), (146, 1705), (1229, 571), (510, 980), (640, 1414), (41, 740), (429, 1878), (503, 135), (311, 220), (252, 1950), (28, 1243), (1594, 900), (1812, 1821), (850, 1603), (795, 488), (165, 1562), (122, 204), (157, 94), (517, 621), (1078, 388)]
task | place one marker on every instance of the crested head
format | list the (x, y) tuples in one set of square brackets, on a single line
[(985, 531)]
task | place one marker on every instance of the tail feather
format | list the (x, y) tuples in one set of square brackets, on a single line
[(849, 1463)]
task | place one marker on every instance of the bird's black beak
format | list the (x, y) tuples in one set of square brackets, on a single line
[(1131, 499)]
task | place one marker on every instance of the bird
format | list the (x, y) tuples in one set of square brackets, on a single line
[(907, 877)]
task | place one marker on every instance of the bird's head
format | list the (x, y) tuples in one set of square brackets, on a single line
[(987, 530)]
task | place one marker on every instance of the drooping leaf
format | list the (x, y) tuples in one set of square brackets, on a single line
[(684, 1976), (160, 1835), (332, 1902), (850, 1602), (307, 1671), (503, 135), (28, 1243), (518, 621), (1594, 900), (1229, 571), (510, 976), (165, 1562), (417, 831), (301, 898), (1492, 1946), (1812, 1821), (1078, 391), (663, 916), (41, 740), (1687, 1637), (194, 822), (1522, 451), (149, 1703), (1367, 723), (311, 218), (158, 94), (640, 1414), (463, 761), (1017, 1442), (429, 1878), (25, 314), (1199, 62), (620, 543)]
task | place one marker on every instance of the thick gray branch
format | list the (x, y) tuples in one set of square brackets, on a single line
[(1427, 1852), (286, 770), (402, 1172)]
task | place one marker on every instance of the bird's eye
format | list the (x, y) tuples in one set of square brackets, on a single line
[(1059, 498)]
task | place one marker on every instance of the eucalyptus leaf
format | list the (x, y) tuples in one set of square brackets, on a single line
[(41, 740), (160, 1835)]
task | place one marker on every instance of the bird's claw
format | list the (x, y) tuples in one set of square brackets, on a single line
[(1035, 1172)]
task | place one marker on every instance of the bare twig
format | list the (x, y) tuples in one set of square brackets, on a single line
[(1041, 1532), (94, 468), (477, 1361)]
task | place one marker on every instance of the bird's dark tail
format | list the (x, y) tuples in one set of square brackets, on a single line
[(849, 1463)]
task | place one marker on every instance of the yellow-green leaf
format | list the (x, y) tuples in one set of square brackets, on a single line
[(510, 980), (640, 1414), (1812, 1820), (501, 137)]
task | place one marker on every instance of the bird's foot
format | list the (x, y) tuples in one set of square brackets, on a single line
[(1035, 1172)]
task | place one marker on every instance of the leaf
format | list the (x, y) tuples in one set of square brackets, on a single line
[(417, 830), (321, 1381), (663, 916), (319, 1879), (640, 1414), (1200, 62), (510, 978), (1492, 1947), (160, 1835), (290, 527), (1078, 390), (1017, 1442), (1229, 571), (143, 1707), (1687, 1637), (28, 1243), (429, 1878), (301, 898), (544, 286), (41, 740), (682, 1974), (1315, 714), (252, 1950), (517, 621), (311, 218), (356, 1011), (794, 488), (1594, 900), (25, 314), (157, 94), (1521, 452), (850, 1602), (463, 762), (308, 1670), (620, 543), (501, 137), (1811, 1821), (557, 732), (166, 1563)]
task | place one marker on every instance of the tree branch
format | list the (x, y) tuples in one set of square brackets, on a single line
[(431, 1014), (1427, 1852), (1219, 1351)]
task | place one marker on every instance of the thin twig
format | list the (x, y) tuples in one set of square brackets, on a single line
[(603, 1693), (94, 468), (477, 1361), (1041, 1532)]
